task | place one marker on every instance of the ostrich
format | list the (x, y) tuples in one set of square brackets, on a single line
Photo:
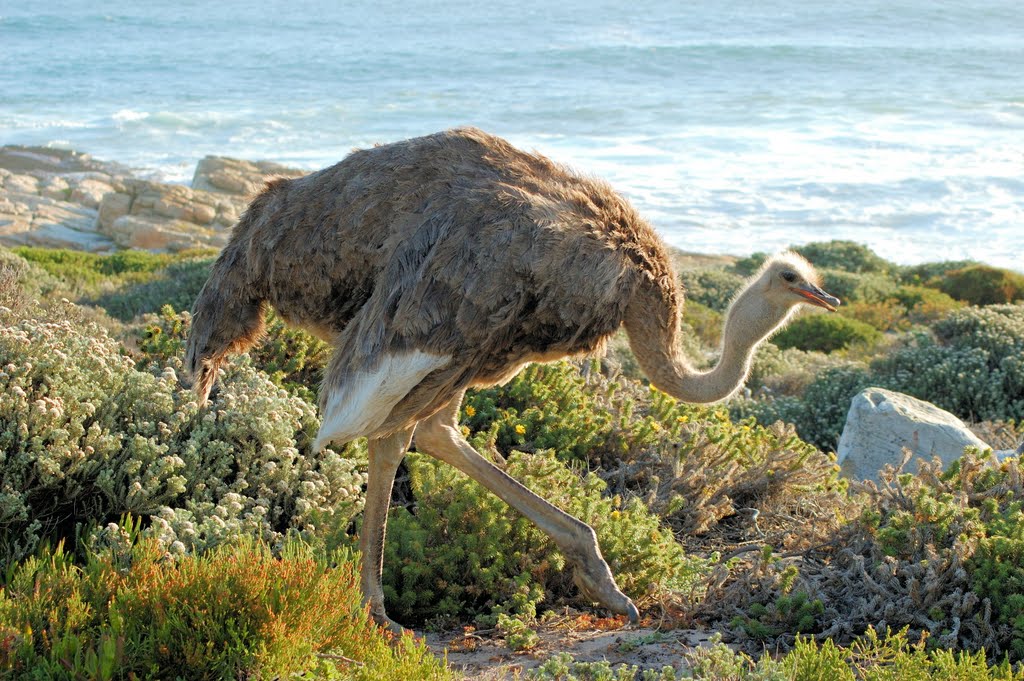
[(449, 261)]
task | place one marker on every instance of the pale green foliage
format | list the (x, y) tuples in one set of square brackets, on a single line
[(562, 667), (518, 635), (866, 287), (870, 658), (820, 413), (973, 366), (787, 372), (714, 288), (848, 256), (86, 437)]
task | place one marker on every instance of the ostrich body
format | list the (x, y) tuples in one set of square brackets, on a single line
[(449, 261)]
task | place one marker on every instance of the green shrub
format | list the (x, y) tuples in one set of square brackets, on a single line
[(871, 657), (124, 284), (847, 256), (563, 667), (292, 358), (825, 333), (236, 612), (585, 419), (464, 553), (87, 437), (787, 372), (713, 288), (705, 323), (935, 554), (857, 287), (928, 274), (924, 304), (178, 284), (983, 285), (748, 266), (973, 366), (81, 271), (24, 282), (820, 414), (886, 315)]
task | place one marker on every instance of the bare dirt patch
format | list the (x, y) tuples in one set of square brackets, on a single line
[(486, 655)]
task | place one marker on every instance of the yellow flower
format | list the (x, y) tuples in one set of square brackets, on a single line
[(465, 431), (682, 419), (521, 429), (470, 411)]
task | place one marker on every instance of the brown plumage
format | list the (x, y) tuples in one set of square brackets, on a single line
[(448, 261)]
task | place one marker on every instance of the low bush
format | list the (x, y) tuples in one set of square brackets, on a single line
[(124, 284), (934, 554), (825, 333), (971, 365), (928, 274), (983, 285), (291, 358), (83, 272), (130, 612), (787, 372), (705, 323), (847, 256), (22, 282), (713, 288), (87, 437), (925, 305), (857, 287), (870, 658), (464, 553), (178, 284), (820, 413), (583, 416)]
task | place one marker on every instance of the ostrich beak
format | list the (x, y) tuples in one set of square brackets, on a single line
[(815, 296)]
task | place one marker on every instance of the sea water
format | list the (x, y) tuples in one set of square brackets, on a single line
[(733, 126)]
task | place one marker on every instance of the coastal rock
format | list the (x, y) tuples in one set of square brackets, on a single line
[(30, 160), (63, 199), (89, 192), (134, 231), (204, 216), (55, 187), (882, 423), (18, 184), (36, 220), (241, 178)]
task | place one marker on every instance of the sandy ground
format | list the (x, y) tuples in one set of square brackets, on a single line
[(485, 656)]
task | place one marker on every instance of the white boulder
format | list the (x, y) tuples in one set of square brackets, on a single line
[(882, 423)]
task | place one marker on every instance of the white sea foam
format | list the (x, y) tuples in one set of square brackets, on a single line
[(129, 115)]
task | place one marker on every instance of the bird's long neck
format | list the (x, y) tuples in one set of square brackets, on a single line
[(653, 324)]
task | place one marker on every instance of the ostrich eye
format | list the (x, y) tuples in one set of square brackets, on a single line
[(789, 276)]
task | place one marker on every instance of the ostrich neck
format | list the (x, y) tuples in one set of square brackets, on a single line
[(652, 322)]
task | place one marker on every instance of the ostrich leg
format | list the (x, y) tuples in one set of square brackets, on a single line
[(384, 456), (439, 436)]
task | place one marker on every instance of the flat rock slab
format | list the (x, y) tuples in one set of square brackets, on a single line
[(64, 199), (882, 423)]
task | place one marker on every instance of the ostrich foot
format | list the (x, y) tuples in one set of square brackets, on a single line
[(593, 577), (381, 619)]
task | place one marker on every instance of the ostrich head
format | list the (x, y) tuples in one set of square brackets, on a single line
[(787, 280)]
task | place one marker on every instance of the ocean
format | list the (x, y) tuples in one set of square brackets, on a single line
[(733, 126)]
